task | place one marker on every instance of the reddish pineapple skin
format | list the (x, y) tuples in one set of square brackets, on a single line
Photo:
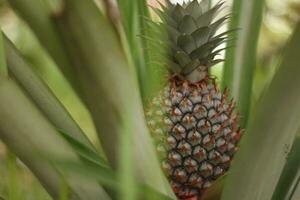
[(196, 132)]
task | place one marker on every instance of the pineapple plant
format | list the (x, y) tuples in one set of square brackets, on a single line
[(194, 123)]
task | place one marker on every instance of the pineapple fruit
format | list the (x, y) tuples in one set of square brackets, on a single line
[(194, 124)]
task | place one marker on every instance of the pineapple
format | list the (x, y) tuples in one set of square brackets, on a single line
[(194, 124)]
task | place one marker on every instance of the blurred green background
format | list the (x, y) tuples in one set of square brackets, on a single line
[(279, 19)]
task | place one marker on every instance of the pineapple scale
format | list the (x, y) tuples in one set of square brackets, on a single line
[(196, 133)]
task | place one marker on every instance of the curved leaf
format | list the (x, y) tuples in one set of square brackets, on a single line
[(41, 95), (36, 142), (272, 129), (290, 176)]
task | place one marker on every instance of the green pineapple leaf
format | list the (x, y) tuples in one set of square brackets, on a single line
[(289, 179), (270, 134)]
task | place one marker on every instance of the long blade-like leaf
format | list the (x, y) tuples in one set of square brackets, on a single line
[(3, 65), (296, 194), (11, 157), (289, 179), (263, 150), (42, 96), (38, 15), (135, 15), (109, 88), (128, 181), (241, 62), (37, 143), (13, 192), (103, 74), (108, 178), (84, 152), (228, 70)]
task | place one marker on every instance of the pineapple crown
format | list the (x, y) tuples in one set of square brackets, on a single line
[(192, 41)]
